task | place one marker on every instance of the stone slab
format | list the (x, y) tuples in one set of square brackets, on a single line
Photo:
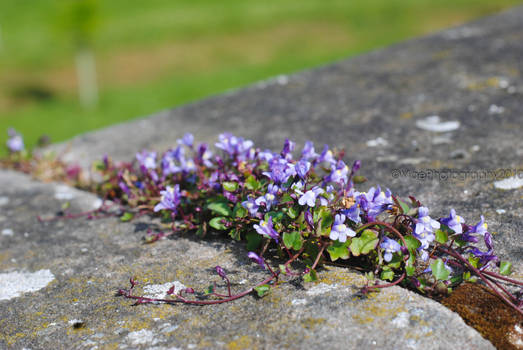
[(376, 107), (88, 260)]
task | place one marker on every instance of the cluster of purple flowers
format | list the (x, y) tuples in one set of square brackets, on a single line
[(15, 142)]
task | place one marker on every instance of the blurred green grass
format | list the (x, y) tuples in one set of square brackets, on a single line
[(158, 54)]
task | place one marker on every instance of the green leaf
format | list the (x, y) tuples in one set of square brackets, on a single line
[(220, 208), (251, 183), (326, 222), (209, 290), (412, 242), (410, 270), (217, 223), (474, 261), (253, 240), (364, 244), (276, 216), (310, 276), (441, 236), (230, 186), (387, 275), (505, 268), (235, 234), (282, 268), (286, 198), (293, 212), (439, 271), (396, 261), (126, 217), (239, 211), (358, 179), (292, 240), (339, 250), (404, 206), (262, 290)]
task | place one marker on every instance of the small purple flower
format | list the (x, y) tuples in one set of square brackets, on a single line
[(265, 228), (339, 173), (221, 272), (147, 159), (425, 223), (169, 163), (308, 152), (356, 166), (280, 170), (353, 213), (327, 156), (374, 201), (480, 228), (288, 147), (124, 188), (170, 199), (204, 155), (270, 198), (454, 222), (390, 247), (309, 218), (339, 230), (251, 206), (259, 260), (302, 168), (308, 198), (236, 147), (15, 143), (187, 139)]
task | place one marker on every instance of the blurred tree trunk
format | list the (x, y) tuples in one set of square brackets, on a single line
[(86, 77)]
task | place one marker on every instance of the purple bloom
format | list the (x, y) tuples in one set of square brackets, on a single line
[(265, 228), (374, 201), (236, 147), (356, 166), (270, 198), (124, 188), (308, 152), (308, 198), (339, 173), (454, 221), (390, 247), (424, 229), (302, 168), (15, 143), (147, 159), (220, 271), (288, 147), (480, 228), (258, 259), (170, 199), (309, 219), (251, 206), (169, 163), (204, 155), (280, 170), (187, 139), (353, 213), (327, 156), (266, 155), (339, 230)]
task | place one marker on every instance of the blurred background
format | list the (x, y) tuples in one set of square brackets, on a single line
[(69, 66)]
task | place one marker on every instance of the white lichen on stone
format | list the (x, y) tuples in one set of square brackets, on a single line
[(435, 124), (401, 320), (509, 183), (321, 288), (63, 192), (501, 211), (495, 109), (159, 291), (4, 201), (299, 301), (7, 232), (380, 141), (14, 284), (142, 337)]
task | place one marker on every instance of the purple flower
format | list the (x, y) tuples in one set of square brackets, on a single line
[(356, 166), (424, 229), (302, 168), (327, 156), (308, 198), (308, 152), (259, 260), (353, 213), (339, 230), (454, 221), (236, 147), (288, 147), (390, 247), (187, 139), (480, 228), (280, 170), (204, 155), (15, 143), (266, 155), (251, 206), (221, 272), (374, 201), (265, 228), (339, 173), (270, 198), (147, 159), (169, 161), (124, 188), (170, 199), (309, 218)]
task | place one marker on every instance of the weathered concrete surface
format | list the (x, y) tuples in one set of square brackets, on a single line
[(471, 75), (91, 259)]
